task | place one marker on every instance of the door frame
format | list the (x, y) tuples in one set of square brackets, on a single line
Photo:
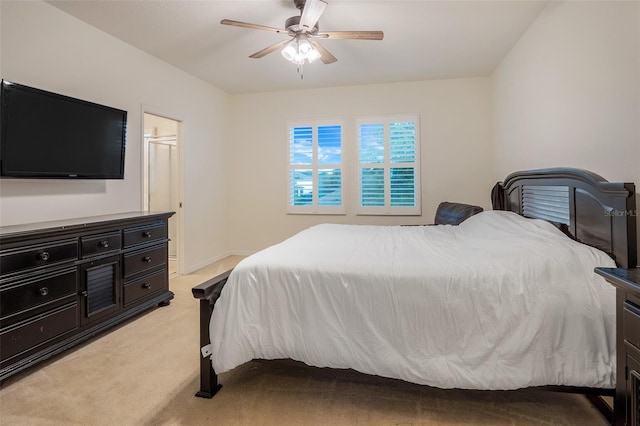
[(144, 167)]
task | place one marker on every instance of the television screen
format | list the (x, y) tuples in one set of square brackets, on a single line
[(47, 135)]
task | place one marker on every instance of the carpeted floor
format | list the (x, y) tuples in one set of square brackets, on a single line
[(145, 372)]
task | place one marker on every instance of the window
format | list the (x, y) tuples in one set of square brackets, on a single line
[(389, 165), (315, 168)]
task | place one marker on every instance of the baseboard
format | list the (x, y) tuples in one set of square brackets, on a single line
[(241, 252), (192, 268)]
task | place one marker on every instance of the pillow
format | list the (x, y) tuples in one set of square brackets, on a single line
[(454, 213)]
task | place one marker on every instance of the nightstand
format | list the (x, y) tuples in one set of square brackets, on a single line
[(627, 400)]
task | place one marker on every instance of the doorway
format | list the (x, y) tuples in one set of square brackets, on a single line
[(162, 176)]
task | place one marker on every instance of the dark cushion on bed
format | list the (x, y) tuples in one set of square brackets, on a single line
[(454, 213)]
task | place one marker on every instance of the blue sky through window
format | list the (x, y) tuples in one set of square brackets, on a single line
[(301, 145), (329, 144)]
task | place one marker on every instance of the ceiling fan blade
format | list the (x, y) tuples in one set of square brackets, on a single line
[(267, 50), (311, 13), (253, 26), (354, 35), (325, 56)]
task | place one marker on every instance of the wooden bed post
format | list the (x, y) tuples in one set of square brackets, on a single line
[(208, 292)]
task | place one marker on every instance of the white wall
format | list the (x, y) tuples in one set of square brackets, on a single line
[(44, 47), (456, 158), (568, 94)]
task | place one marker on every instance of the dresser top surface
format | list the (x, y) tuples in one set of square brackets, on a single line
[(621, 276), (78, 223)]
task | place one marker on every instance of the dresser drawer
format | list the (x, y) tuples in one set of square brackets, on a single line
[(37, 291), (146, 259), (145, 286), (144, 234), (25, 335), (631, 324), (38, 255), (100, 244)]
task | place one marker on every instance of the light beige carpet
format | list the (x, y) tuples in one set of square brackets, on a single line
[(145, 372)]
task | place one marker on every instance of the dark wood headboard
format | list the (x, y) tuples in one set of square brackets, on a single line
[(592, 210)]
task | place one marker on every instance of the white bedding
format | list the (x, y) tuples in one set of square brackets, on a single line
[(498, 302)]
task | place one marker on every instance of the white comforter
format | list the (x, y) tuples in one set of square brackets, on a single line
[(498, 302)]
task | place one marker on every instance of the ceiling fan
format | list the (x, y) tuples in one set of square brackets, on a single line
[(303, 31)]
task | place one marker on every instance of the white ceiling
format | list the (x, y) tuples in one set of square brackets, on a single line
[(423, 40)]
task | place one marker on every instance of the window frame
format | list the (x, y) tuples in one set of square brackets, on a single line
[(315, 208), (387, 165)]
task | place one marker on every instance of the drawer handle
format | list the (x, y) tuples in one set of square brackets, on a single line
[(146, 234), (147, 259), (103, 244), (44, 256), (146, 286), (43, 291)]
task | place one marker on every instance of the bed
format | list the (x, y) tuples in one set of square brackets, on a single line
[(505, 300)]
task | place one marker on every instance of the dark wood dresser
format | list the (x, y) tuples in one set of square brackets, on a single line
[(63, 282), (627, 401)]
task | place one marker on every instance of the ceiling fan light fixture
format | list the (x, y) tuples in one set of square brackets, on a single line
[(304, 47), (300, 50), (290, 51), (313, 54)]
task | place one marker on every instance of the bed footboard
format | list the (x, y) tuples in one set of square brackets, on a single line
[(208, 292), (594, 395)]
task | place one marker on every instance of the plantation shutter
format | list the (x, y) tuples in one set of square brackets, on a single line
[(315, 181), (388, 166)]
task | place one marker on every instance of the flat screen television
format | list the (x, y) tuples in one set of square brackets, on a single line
[(48, 135)]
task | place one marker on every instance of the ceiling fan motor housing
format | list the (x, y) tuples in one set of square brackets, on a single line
[(293, 25)]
